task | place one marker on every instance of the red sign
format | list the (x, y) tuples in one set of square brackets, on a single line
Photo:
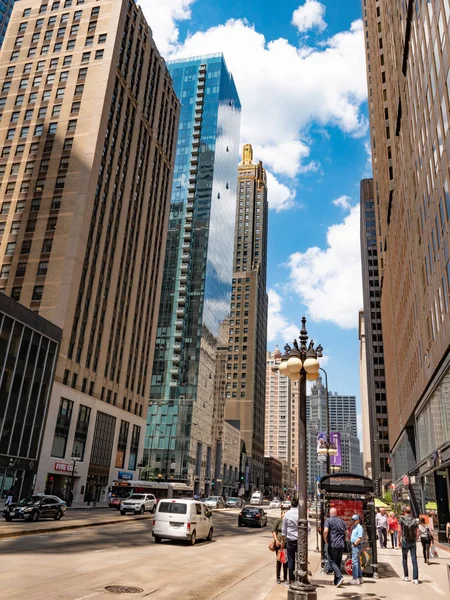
[(348, 566), (64, 467)]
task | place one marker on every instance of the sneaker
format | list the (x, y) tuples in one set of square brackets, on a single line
[(278, 580), (286, 584), (355, 582), (361, 580), (405, 578), (416, 581), (340, 582)]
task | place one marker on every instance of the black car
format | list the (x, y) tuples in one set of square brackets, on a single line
[(34, 508), (253, 517), (234, 502)]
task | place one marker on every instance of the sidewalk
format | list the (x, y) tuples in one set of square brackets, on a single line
[(433, 580)]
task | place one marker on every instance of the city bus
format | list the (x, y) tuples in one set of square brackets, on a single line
[(122, 489)]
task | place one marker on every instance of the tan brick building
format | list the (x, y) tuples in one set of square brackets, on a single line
[(246, 366), (408, 56), (87, 136)]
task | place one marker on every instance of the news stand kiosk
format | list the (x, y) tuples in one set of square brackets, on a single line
[(351, 494)]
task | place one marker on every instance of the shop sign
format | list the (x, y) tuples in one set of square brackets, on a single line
[(126, 475), (64, 467)]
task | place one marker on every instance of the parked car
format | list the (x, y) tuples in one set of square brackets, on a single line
[(275, 503), (314, 510), (178, 519), (286, 504), (215, 502), (36, 507), (253, 517), (138, 503), (235, 502)]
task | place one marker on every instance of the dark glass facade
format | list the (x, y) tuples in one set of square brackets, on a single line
[(6, 7), (28, 349), (197, 273)]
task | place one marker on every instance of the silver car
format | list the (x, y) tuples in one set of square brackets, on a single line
[(215, 502)]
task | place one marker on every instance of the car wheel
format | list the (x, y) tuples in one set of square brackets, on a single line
[(210, 535), (9, 519), (35, 516), (240, 524), (142, 511), (158, 540), (193, 538), (58, 515), (122, 512)]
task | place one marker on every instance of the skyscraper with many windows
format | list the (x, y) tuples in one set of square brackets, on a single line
[(408, 58), (87, 136), (6, 7), (197, 272), (376, 384), (246, 367)]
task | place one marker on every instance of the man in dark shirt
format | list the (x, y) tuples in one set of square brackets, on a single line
[(335, 535)]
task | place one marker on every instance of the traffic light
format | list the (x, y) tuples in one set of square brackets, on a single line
[(212, 483), (242, 478)]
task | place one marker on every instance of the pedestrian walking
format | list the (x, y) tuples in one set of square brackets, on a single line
[(10, 496), (381, 523), (356, 541), (290, 534), (426, 539), (393, 529), (335, 536), (278, 539), (410, 535)]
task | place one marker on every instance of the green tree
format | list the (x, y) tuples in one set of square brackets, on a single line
[(387, 497)]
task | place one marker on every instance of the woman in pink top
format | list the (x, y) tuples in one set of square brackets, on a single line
[(394, 528)]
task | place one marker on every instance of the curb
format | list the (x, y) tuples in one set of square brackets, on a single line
[(24, 532)]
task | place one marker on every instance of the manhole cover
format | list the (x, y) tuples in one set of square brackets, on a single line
[(123, 589)]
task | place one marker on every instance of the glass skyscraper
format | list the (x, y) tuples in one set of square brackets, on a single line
[(196, 288), (6, 7)]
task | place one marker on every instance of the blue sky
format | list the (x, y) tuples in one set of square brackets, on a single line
[(300, 72)]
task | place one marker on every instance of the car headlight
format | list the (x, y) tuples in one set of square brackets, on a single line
[(27, 510)]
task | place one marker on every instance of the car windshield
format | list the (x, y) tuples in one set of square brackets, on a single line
[(136, 497), (176, 508), (212, 498), (250, 511), (232, 499), (29, 501)]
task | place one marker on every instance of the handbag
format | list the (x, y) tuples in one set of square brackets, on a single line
[(271, 546), (282, 557)]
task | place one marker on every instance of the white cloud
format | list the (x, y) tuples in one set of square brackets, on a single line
[(329, 281), (279, 329), (309, 16), (284, 89), (162, 16), (343, 202), (279, 195)]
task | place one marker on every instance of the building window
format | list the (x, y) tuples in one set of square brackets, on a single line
[(103, 441), (42, 269), (81, 431), (134, 447), (37, 292), (15, 293), (122, 444), (62, 428), (99, 54)]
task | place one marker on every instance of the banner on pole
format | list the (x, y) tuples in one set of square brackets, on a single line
[(335, 439)]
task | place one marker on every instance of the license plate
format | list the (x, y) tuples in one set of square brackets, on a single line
[(11, 512), (177, 524)]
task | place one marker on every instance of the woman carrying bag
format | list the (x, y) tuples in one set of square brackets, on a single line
[(278, 545), (426, 538)]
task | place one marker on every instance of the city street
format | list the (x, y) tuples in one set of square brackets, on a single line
[(79, 564)]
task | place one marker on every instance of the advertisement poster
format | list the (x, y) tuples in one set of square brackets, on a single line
[(335, 439), (321, 447)]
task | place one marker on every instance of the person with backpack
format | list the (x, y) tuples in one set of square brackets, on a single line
[(426, 539), (410, 535)]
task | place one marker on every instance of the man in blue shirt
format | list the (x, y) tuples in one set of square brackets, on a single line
[(335, 534), (356, 540)]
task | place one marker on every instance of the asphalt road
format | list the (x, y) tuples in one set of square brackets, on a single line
[(79, 564)]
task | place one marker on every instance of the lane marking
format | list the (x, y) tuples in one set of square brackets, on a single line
[(89, 596)]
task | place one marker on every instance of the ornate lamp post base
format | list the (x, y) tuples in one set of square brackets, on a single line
[(302, 591)]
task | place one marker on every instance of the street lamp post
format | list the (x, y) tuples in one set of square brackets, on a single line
[(300, 364)]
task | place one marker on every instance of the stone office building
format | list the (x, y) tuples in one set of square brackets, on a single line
[(87, 138), (28, 352)]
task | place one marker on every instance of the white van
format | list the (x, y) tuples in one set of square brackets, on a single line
[(256, 499), (177, 519)]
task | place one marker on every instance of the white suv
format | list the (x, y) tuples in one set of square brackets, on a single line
[(138, 503)]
